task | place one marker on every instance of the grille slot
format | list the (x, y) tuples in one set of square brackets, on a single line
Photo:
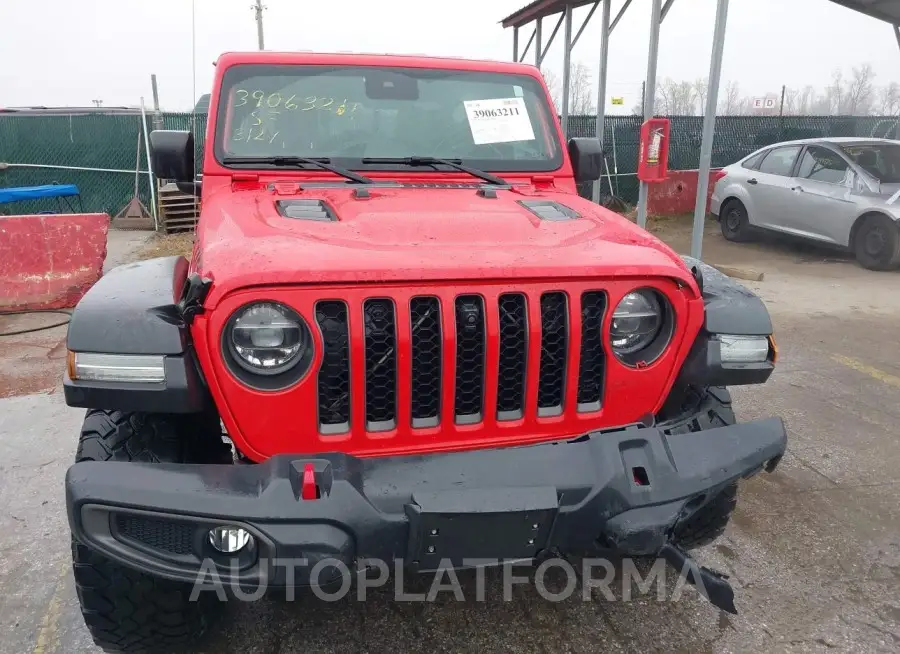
[(169, 536), (469, 392), (425, 328), (513, 356), (334, 375), (593, 360), (554, 350), (381, 364)]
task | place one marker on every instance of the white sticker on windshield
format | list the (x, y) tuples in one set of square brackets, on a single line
[(500, 120)]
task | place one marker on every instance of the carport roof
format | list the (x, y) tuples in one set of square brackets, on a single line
[(540, 9), (886, 10)]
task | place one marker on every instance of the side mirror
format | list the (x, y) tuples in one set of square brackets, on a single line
[(587, 158), (172, 155)]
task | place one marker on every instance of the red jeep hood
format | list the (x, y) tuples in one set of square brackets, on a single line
[(417, 234)]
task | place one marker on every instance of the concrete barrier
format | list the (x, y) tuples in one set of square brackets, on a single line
[(677, 194), (50, 261)]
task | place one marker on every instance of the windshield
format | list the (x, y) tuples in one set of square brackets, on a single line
[(881, 160), (490, 121)]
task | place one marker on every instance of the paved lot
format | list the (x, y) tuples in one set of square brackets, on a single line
[(813, 551)]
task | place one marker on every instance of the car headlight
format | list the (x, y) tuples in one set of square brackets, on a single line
[(641, 327), (268, 340)]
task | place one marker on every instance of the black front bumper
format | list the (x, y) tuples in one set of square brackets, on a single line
[(621, 490)]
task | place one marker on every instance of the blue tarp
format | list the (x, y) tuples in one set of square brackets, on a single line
[(37, 192)]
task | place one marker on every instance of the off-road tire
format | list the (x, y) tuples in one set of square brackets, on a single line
[(126, 610), (876, 243), (707, 408), (734, 222)]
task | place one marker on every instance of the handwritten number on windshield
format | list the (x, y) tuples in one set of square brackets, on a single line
[(292, 103)]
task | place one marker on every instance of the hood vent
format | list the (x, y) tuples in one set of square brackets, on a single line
[(549, 210), (442, 184), (306, 210)]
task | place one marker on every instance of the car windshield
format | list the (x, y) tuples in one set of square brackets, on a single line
[(490, 121), (881, 160)]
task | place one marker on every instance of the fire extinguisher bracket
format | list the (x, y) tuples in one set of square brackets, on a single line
[(653, 156)]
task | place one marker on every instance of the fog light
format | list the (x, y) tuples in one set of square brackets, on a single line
[(743, 349), (230, 540)]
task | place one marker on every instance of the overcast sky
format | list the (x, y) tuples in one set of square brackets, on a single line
[(70, 52)]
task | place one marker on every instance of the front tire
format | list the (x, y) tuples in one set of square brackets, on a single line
[(126, 610), (706, 408), (734, 222), (877, 243)]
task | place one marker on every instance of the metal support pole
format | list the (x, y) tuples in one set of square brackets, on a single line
[(587, 19), (709, 127), (259, 24), (515, 43), (601, 86), (527, 46), (149, 167), (157, 116), (649, 96), (619, 15), (897, 34), (537, 42), (567, 71), (665, 10), (552, 36)]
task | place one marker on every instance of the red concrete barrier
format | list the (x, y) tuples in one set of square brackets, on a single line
[(50, 261), (677, 193)]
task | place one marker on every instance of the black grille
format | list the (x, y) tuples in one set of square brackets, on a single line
[(591, 370), (381, 365), (554, 349), (425, 327), (469, 358), (513, 356), (167, 535), (334, 375)]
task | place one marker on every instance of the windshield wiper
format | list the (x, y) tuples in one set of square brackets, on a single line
[(322, 162), (434, 161)]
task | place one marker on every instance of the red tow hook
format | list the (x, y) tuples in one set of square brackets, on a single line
[(308, 488)]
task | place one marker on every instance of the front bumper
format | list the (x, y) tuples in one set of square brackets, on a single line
[(618, 490)]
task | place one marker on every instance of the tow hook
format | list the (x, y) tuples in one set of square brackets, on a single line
[(711, 584)]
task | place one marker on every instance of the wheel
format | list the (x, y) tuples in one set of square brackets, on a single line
[(707, 408), (877, 243), (126, 610), (734, 221)]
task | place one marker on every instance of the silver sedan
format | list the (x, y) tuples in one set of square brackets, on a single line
[(842, 192)]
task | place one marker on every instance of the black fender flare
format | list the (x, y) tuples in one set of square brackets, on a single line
[(141, 308), (730, 308)]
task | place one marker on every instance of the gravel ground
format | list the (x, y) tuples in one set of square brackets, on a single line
[(813, 550)]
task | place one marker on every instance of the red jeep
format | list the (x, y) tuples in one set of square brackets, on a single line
[(402, 335)]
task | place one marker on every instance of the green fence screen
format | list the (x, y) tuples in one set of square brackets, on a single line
[(67, 144)]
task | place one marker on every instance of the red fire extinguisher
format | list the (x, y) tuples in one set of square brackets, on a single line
[(653, 159)]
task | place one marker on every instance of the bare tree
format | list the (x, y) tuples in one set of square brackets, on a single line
[(553, 85), (889, 100), (581, 100), (730, 104), (860, 92), (676, 98), (791, 101), (805, 101), (701, 90), (835, 94)]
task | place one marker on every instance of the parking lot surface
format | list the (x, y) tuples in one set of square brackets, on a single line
[(813, 551)]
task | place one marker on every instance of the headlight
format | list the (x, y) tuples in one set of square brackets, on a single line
[(268, 339), (641, 327)]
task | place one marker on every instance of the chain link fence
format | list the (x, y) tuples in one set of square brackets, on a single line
[(99, 152)]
